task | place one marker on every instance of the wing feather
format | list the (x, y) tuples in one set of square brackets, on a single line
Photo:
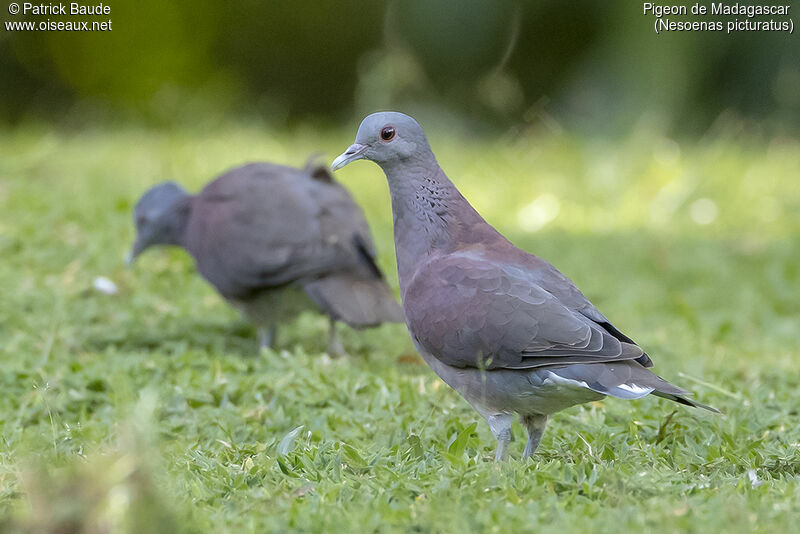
[(470, 312), (264, 226)]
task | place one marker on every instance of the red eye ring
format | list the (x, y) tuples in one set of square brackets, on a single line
[(387, 133)]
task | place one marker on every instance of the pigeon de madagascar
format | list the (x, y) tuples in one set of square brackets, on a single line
[(502, 327), (274, 241)]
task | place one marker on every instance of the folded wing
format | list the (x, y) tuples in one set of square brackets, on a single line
[(470, 312)]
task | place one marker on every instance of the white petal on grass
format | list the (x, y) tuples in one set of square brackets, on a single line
[(703, 211), (105, 285), (539, 213), (753, 477)]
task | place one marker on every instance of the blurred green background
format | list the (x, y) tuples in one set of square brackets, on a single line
[(597, 67)]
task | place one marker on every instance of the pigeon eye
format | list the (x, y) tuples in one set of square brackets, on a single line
[(387, 133)]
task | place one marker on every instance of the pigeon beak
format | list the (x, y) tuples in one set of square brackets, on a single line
[(354, 152), (136, 249)]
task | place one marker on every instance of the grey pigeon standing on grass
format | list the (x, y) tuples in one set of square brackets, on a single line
[(502, 327), (274, 241)]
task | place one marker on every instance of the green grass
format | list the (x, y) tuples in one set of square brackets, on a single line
[(151, 410)]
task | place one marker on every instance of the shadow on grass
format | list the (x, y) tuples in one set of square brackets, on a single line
[(237, 338)]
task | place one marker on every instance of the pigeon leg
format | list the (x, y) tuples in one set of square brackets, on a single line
[(535, 425), (500, 424), (334, 345), (267, 335)]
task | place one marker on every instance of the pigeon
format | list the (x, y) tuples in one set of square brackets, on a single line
[(274, 241), (504, 328)]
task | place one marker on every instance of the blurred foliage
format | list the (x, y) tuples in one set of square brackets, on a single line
[(116, 489), (588, 65)]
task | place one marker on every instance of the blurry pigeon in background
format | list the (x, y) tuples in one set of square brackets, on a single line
[(502, 327), (274, 241)]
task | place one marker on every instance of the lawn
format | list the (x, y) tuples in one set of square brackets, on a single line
[(151, 410)]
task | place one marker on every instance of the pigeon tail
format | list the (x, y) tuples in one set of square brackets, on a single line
[(686, 401), (626, 380), (358, 302)]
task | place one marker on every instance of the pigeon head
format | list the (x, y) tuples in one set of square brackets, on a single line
[(159, 217), (389, 139)]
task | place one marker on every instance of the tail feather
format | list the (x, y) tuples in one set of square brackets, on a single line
[(685, 401), (626, 380), (358, 302)]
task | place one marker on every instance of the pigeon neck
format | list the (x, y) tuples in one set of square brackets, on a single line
[(177, 219), (430, 216)]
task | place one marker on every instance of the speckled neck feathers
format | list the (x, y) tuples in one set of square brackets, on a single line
[(430, 215)]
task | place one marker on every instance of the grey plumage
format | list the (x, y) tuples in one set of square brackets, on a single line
[(504, 328), (274, 241)]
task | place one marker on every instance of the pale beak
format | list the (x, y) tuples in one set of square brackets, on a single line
[(136, 249), (130, 258), (354, 152)]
